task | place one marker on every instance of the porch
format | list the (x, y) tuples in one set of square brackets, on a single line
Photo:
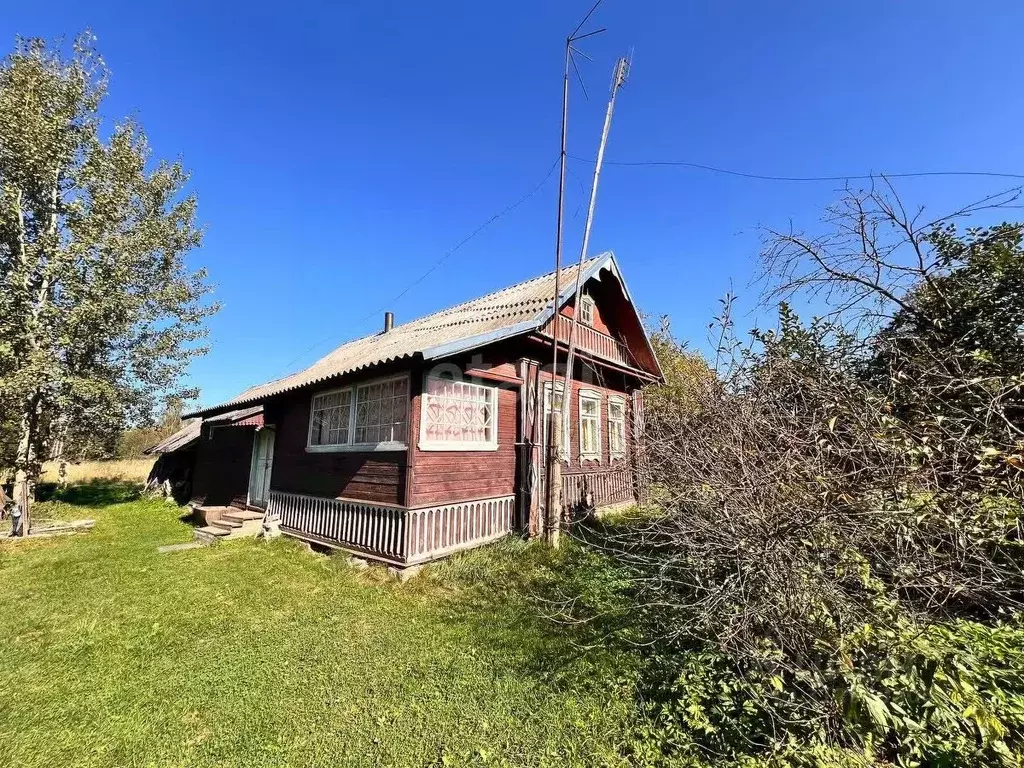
[(393, 534)]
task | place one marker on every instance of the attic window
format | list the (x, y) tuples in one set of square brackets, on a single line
[(587, 310)]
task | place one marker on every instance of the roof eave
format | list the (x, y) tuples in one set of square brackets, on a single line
[(592, 271), (472, 342)]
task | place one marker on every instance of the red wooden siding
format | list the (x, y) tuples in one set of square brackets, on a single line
[(606, 462), (447, 476), (615, 316), (223, 457), (599, 322), (368, 475)]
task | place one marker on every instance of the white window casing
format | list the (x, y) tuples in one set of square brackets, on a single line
[(369, 416), (587, 310), (458, 416), (590, 425), (616, 427)]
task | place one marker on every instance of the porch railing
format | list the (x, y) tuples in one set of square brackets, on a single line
[(394, 534), (591, 340), (606, 487)]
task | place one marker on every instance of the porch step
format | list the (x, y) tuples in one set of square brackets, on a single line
[(227, 528), (241, 515), (211, 533)]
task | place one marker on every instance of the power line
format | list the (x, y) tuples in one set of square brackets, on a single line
[(444, 257), (763, 177)]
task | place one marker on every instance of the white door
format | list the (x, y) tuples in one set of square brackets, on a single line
[(262, 464)]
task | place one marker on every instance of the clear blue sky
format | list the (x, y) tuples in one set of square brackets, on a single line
[(339, 149)]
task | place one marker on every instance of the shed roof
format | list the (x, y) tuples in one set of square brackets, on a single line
[(180, 439), (520, 308)]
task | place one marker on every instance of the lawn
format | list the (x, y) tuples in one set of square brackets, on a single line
[(263, 654)]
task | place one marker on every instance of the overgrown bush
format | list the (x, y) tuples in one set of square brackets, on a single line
[(833, 570)]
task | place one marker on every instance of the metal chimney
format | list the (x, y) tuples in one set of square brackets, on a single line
[(389, 321)]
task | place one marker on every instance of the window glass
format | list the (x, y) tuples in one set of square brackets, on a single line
[(548, 406), (587, 310), (459, 414), (590, 425), (381, 412), (368, 414), (329, 418), (616, 427)]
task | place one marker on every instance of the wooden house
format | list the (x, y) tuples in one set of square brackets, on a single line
[(427, 437)]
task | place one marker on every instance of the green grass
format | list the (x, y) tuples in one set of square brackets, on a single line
[(263, 654)]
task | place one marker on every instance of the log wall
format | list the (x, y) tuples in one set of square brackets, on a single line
[(377, 476)]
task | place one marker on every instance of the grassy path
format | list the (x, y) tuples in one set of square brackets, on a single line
[(257, 654)]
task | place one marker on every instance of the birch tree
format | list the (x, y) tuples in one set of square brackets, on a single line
[(99, 314)]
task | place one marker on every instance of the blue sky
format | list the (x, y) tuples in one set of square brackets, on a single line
[(338, 150)]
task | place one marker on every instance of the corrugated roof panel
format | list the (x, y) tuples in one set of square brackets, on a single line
[(179, 439), (506, 309)]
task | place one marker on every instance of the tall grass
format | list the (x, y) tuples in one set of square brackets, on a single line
[(128, 470)]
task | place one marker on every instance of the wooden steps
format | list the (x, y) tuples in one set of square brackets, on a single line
[(242, 515), (226, 523)]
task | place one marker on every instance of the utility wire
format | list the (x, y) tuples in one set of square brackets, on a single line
[(444, 257), (763, 177)]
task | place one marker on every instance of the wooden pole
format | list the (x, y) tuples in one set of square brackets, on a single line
[(554, 506), (554, 441), (618, 80)]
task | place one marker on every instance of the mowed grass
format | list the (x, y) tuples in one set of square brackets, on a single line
[(263, 654)]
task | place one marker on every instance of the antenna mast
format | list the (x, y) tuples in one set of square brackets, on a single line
[(552, 450), (619, 75)]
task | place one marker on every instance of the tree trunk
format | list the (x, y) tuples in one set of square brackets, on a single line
[(26, 468)]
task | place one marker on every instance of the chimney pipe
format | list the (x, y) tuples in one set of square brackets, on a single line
[(389, 321)]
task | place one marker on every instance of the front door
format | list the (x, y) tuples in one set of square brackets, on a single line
[(262, 463)]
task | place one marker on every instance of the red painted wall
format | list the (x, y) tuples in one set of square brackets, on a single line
[(445, 476), (366, 475), (575, 465)]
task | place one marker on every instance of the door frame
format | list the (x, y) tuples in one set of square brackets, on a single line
[(271, 435)]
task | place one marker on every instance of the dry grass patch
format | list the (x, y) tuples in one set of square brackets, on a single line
[(130, 470)]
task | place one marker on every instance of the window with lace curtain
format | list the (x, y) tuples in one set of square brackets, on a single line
[(458, 416)]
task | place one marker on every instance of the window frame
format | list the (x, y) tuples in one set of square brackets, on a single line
[(439, 445), (587, 306), (594, 396), (547, 407), (621, 402), (352, 447)]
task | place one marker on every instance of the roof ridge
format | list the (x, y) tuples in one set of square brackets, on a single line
[(446, 310), (520, 284), (509, 310)]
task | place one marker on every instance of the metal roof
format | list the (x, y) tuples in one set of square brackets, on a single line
[(192, 429), (520, 308), (244, 417), (183, 437)]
